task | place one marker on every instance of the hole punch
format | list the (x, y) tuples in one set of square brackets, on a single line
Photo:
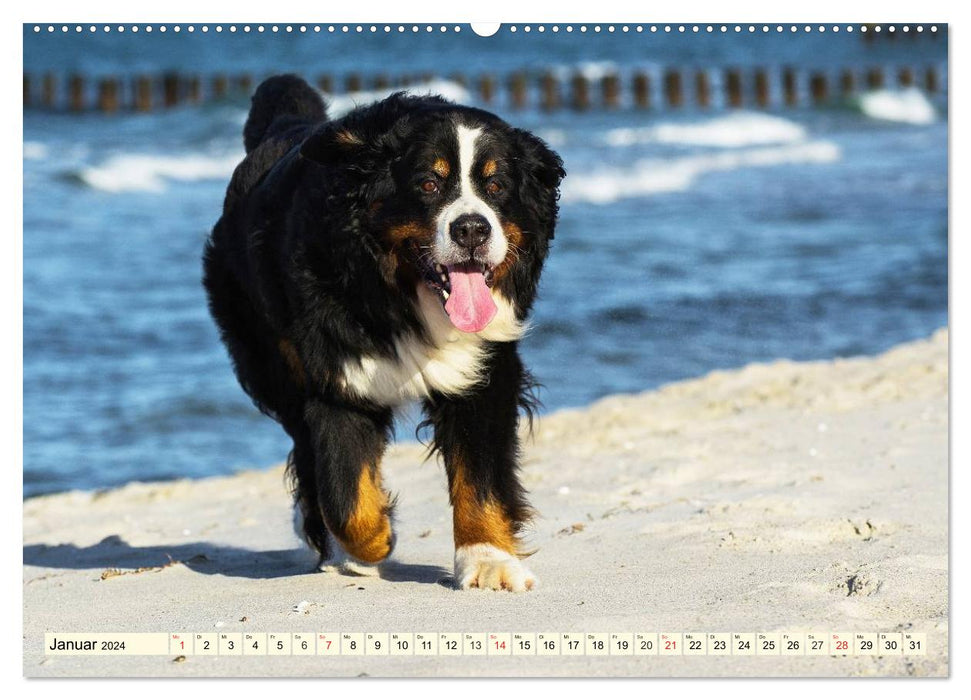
[(485, 29)]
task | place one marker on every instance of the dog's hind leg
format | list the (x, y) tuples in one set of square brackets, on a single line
[(308, 522), (348, 444)]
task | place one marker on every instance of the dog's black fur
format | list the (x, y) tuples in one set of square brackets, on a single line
[(310, 268)]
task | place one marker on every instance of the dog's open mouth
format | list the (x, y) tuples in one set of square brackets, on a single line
[(464, 289)]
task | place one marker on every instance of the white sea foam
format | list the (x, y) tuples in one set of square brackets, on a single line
[(554, 137), (655, 176), (910, 106), (596, 70), (591, 70), (145, 172), (339, 105), (731, 131), (34, 150)]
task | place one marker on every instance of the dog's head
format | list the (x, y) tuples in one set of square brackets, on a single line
[(459, 201)]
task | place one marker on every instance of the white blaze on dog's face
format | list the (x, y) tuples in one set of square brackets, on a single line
[(472, 208)]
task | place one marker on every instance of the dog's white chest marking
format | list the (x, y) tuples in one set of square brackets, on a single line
[(446, 361)]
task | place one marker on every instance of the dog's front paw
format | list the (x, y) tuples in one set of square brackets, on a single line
[(485, 566)]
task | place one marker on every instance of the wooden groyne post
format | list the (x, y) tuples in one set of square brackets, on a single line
[(672, 88), (108, 101), (642, 91), (549, 92)]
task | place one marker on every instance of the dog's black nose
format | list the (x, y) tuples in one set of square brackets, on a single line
[(470, 230)]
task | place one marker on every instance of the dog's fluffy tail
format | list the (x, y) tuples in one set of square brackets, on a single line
[(281, 101)]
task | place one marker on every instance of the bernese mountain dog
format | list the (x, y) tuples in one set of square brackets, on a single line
[(384, 257)]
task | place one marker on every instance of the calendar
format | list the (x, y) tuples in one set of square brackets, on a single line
[(686, 644)]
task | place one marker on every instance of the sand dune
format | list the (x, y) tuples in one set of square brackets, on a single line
[(788, 497)]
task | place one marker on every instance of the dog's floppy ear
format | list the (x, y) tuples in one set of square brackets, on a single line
[(542, 171), (362, 160), (366, 137), (336, 146)]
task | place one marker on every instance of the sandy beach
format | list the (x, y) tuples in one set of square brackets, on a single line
[(782, 497)]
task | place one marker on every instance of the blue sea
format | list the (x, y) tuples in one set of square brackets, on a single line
[(690, 240)]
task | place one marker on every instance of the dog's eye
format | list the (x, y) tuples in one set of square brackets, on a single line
[(429, 186), (493, 187)]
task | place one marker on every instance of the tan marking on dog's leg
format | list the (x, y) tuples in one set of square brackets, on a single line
[(367, 534), (486, 546), (478, 521)]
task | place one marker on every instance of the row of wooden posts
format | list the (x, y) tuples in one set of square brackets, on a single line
[(731, 87)]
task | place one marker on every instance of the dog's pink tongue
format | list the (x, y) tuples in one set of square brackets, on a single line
[(470, 306)]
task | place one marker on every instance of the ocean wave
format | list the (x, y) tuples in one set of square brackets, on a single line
[(657, 176), (910, 106), (731, 131), (339, 105), (146, 172)]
